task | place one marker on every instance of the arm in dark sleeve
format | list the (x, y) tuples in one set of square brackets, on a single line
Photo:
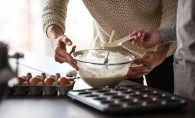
[(168, 34)]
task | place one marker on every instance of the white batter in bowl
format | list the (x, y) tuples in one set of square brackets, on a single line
[(95, 73)]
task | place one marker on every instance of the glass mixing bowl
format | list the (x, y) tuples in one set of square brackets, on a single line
[(96, 73)]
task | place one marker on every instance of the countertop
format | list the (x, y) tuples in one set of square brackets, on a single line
[(26, 106)]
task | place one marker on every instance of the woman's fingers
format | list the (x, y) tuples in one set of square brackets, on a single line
[(136, 72), (138, 39), (73, 64), (136, 32), (60, 53), (68, 59), (142, 42), (60, 50), (144, 66), (140, 69), (58, 60)]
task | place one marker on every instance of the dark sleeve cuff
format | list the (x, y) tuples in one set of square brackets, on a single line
[(168, 34)]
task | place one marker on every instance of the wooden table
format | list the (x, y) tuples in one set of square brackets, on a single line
[(63, 106)]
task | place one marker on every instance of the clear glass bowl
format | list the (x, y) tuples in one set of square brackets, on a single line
[(95, 73)]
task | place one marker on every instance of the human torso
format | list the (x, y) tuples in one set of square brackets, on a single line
[(123, 16)]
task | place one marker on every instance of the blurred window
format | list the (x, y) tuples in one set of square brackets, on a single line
[(21, 25)]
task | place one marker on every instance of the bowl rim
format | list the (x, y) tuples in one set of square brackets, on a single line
[(107, 64)]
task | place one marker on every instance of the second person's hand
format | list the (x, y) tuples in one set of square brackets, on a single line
[(146, 37), (145, 64)]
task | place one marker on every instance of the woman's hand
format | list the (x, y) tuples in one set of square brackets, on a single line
[(145, 64), (60, 53), (59, 42)]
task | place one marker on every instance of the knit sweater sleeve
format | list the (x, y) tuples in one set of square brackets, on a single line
[(54, 12)]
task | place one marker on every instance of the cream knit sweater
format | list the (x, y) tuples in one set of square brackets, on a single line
[(123, 16)]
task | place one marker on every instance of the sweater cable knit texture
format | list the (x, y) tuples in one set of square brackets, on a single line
[(123, 16)]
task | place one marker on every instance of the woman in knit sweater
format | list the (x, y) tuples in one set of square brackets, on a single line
[(122, 16)]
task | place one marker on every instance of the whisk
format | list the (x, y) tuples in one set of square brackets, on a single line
[(111, 39)]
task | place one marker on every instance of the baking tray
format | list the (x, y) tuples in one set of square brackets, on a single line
[(131, 98)]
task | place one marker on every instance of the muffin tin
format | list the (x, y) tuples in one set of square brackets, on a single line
[(129, 98), (40, 88)]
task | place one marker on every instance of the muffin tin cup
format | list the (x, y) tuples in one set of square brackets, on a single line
[(40, 88)]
